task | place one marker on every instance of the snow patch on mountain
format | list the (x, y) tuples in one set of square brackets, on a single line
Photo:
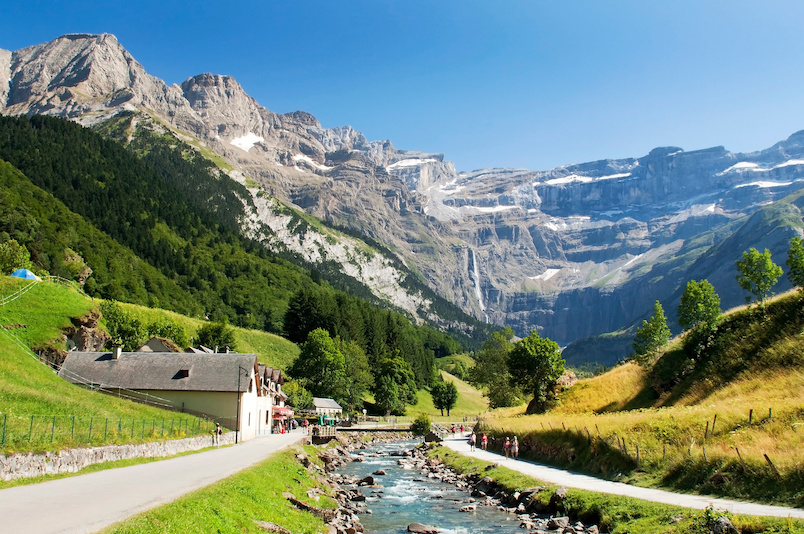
[(415, 162), (584, 179), (763, 184), (546, 275), (246, 142), (309, 161)]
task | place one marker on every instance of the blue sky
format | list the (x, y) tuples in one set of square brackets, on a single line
[(489, 84)]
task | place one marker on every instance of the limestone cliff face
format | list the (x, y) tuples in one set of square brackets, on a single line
[(573, 251)]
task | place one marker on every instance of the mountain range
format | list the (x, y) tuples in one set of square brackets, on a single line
[(573, 252)]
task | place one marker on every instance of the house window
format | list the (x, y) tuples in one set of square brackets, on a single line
[(249, 418), (250, 385), (181, 373)]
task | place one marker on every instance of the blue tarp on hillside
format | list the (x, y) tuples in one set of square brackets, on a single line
[(25, 273)]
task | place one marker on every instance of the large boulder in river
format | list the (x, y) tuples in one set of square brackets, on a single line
[(418, 528)]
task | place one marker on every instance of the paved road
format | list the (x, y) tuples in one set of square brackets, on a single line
[(574, 480), (89, 503)]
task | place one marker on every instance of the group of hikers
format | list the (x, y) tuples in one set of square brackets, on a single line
[(510, 446)]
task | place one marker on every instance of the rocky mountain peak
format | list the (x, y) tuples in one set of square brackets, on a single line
[(207, 90), (573, 251)]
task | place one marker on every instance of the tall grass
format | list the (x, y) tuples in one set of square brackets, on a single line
[(681, 424)]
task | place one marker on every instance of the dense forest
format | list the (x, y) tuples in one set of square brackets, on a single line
[(158, 224)]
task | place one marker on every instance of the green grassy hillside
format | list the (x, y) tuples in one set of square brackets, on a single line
[(688, 417), (272, 350), (40, 411)]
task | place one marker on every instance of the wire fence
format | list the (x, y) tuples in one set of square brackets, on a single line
[(45, 432)]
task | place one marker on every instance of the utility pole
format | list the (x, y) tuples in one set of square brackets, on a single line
[(240, 372)]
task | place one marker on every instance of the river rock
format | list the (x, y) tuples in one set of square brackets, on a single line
[(556, 523), (379, 472), (468, 508), (723, 526), (418, 528), (367, 481), (557, 499)]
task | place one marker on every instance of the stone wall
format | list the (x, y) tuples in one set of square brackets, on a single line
[(29, 465)]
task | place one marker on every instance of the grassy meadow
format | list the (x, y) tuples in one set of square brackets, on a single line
[(730, 424), (38, 410)]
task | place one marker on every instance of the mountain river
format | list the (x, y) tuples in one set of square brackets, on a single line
[(408, 497)]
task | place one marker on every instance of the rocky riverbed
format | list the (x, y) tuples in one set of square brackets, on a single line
[(477, 500)]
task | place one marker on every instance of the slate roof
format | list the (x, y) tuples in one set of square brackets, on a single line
[(165, 371), (320, 402)]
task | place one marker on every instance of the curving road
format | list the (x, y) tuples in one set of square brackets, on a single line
[(89, 503), (569, 479)]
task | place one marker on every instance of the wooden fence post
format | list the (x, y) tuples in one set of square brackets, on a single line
[(713, 424), (740, 456), (750, 415), (773, 467)]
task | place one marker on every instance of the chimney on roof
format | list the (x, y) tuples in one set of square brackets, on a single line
[(116, 352)]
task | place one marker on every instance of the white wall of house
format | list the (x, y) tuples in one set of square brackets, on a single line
[(224, 404)]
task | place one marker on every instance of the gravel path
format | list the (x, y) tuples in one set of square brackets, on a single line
[(569, 479), (89, 503)]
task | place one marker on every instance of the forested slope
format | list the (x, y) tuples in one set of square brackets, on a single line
[(159, 227)]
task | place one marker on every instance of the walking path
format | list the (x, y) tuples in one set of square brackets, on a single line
[(569, 479), (89, 503)]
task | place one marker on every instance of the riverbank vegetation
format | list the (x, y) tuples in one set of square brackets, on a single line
[(616, 514), (723, 419)]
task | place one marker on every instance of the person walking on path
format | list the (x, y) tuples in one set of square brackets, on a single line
[(515, 447), (484, 441), (472, 440), (507, 447), (217, 434)]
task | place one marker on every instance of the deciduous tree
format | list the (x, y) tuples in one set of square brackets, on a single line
[(218, 334), (700, 305), (651, 336), (757, 274), (491, 370), (795, 262), (445, 396), (535, 364), (320, 366), (14, 256), (421, 425)]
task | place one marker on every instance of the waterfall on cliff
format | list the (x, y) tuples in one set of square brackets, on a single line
[(475, 275)]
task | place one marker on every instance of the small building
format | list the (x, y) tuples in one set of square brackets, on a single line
[(232, 388), (327, 407)]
